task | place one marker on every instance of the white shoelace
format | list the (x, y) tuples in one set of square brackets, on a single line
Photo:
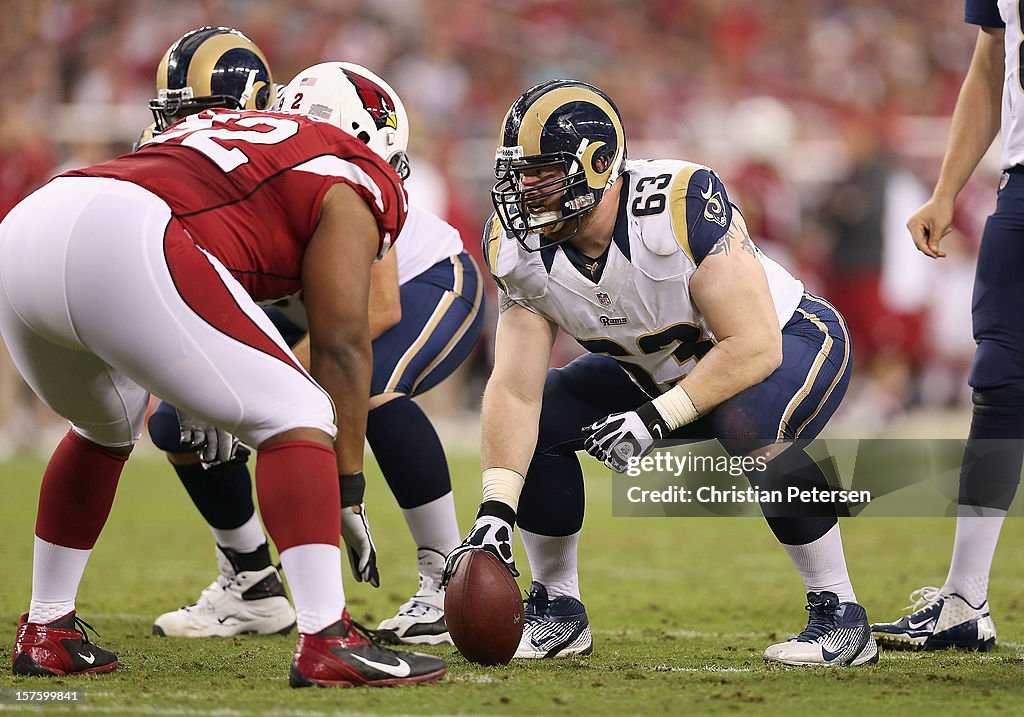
[(417, 608), (216, 587), (923, 597)]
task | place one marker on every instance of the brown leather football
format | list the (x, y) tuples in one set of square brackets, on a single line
[(483, 609)]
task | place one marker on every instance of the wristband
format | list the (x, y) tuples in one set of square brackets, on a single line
[(502, 484), (352, 489), (676, 407)]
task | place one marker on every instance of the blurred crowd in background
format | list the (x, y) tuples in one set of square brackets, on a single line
[(825, 118)]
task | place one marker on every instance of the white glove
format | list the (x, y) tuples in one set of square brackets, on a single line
[(214, 446), (362, 555), (490, 533), (355, 530), (617, 438)]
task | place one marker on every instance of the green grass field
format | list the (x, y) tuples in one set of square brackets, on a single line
[(681, 609)]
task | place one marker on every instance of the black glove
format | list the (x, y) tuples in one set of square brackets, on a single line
[(492, 532), (617, 438), (214, 445)]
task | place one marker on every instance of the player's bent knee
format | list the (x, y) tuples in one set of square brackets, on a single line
[(383, 398), (116, 450), (166, 433)]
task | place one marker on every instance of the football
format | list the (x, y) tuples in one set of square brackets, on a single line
[(483, 609)]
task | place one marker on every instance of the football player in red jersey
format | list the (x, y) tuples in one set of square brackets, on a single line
[(425, 317), (141, 275)]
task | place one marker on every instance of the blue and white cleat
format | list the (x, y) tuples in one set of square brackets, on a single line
[(938, 621), (837, 635), (553, 628)]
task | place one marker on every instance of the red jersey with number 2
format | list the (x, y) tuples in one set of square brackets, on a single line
[(247, 186)]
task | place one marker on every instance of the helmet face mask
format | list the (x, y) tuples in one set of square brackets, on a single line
[(357, 101), (207, 68), (562, 146), (540, 195)]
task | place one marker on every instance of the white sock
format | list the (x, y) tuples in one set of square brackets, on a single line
[(245, 538), (56, 573), (433, 525), (313, 572), (822, 565), (977, 532), (553, 562)]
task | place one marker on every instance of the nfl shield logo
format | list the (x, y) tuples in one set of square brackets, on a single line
[(603, 299)]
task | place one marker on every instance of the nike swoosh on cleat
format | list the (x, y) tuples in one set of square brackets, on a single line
[(402, 669), (918, 625), (830, 656), (541, 642), (88, 658)]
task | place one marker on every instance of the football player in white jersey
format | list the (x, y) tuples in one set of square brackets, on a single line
[(957, 614), (693, 333), (425, 317)]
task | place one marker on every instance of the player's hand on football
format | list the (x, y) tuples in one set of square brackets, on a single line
[(214, 445), (489, 533), (930, 224), (355, 530), (617, 438)]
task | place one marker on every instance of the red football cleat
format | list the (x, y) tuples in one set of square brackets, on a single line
[(341, 656), (58, 648)]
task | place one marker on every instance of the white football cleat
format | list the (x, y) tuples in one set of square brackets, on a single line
[(236, 603), (420, 620), (937, 621), (556, 627), (837, 635)]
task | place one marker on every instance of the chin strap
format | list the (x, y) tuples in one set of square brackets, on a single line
[(250, 84)]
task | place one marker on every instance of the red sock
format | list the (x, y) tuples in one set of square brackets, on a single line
[(77, 492), (298, 493)]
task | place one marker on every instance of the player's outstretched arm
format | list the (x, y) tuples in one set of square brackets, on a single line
[(509, 424), (335, 288), (975, 124), (515, 389)]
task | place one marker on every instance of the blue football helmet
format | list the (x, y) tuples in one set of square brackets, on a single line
[(211, 67), (560, 124)]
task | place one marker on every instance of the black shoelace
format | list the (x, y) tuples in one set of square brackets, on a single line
[(81, 626), (534, 600), (822, 619), (366, 632)]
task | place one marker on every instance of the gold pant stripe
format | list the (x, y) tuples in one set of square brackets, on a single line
[(431, 326), (463, 328), (842, 366)]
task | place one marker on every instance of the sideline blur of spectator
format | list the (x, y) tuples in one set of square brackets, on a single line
[(78, 75)]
